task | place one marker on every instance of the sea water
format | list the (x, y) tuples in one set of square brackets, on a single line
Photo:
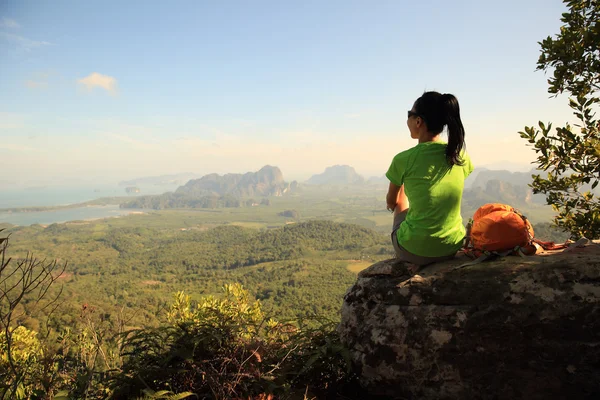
[(59, 216), (58, 196)]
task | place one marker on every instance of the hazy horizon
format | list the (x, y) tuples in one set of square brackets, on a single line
[(89, 183), (147, 89)]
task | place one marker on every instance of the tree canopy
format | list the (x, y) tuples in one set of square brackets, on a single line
[(571, 154)]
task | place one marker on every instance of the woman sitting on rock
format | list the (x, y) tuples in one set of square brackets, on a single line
[(431, 177)]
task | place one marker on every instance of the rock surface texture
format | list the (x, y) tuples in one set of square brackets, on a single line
[(512, 328)]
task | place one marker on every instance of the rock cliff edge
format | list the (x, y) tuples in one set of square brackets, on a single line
[(512, 328)]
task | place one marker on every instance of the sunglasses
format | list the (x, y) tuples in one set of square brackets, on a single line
[(412, 114)]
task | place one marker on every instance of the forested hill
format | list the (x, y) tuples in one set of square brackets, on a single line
[(213, 191), (232, 247), (222, 247), (295, 269), (229, 247)]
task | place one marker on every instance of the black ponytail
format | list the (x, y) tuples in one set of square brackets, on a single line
[(456, 131), (439, 110)]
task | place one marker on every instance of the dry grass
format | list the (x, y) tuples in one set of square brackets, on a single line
[(151, 282), (357, 266)]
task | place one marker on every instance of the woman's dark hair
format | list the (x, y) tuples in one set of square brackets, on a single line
[(439, 110)]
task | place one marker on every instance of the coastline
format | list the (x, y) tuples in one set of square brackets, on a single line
[(85, 221), (104, 201), (80, 214)]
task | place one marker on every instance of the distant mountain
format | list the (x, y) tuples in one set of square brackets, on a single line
[(268, 181), (512, 192), (175, 179), (498, 191), (471, 178), (214, 191), (337, 175), (480, 177)]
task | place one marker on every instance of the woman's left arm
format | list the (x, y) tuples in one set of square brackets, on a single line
[(392, 196)]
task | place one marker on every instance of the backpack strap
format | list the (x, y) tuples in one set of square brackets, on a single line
[(537, 243), (550, 245), (485, 256), (467, 241), (527, 224), (478, 260), (544, 245)]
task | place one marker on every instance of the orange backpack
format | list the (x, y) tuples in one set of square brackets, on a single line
[(500, 230)]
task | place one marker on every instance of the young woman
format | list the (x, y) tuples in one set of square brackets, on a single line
[(431, 177)]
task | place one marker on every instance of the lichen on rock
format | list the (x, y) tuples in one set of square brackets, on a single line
[(512, 328)]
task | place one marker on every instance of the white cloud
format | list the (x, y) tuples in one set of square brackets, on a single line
[(22, 42), (9, 23), (95, 79)]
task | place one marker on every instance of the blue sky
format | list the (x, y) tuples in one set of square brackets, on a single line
[(116, 90)]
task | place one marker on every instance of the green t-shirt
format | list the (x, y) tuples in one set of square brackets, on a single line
[(433, 226)]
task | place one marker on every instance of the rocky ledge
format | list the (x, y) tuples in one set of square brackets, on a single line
[(512, 328)]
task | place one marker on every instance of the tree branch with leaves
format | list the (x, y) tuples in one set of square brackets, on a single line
[(24, 279), (571, 154)]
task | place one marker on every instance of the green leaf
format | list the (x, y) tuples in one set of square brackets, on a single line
[(62, 395), (183, 395)]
